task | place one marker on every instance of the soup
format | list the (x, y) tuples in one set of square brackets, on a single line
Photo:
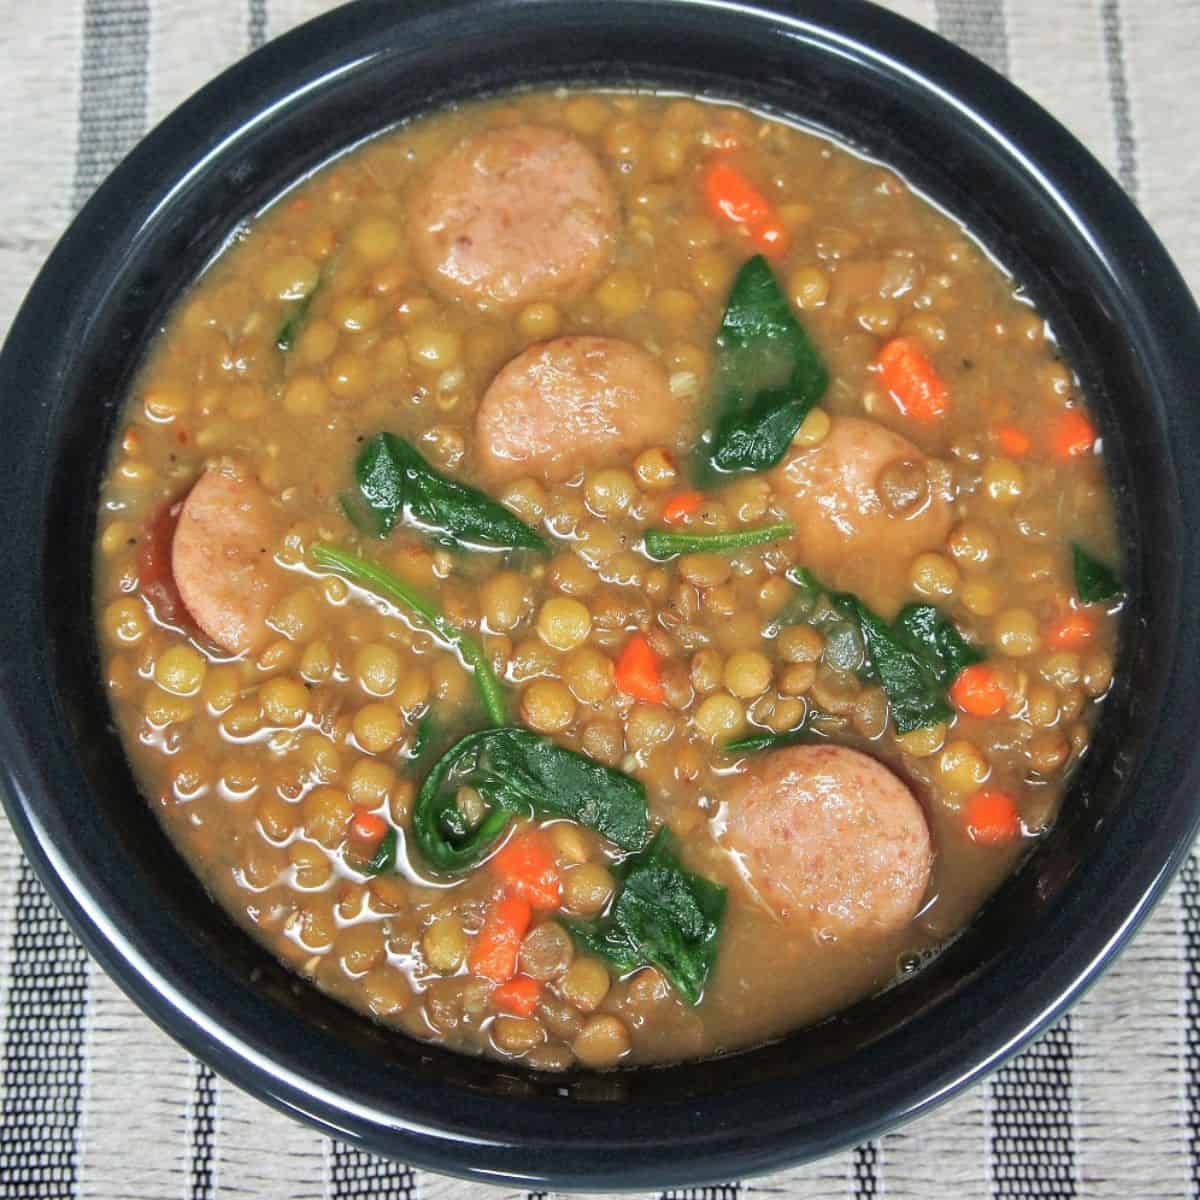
[(604, 578)]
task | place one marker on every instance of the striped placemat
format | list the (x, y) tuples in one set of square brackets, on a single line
[(96, 1102)]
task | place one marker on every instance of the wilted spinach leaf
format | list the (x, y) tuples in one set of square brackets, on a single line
[(769, 375), (1093, 580), (518, 772), (398, 485), (663, 916)]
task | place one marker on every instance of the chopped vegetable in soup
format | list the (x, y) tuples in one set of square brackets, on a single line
[(600, 578)]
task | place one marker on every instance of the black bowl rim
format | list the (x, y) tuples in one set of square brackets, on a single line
[(1163, 323)]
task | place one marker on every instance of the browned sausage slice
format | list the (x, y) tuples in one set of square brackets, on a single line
[(576, 400), (864, 507), (221, 557), (831, 838), (512, 215)]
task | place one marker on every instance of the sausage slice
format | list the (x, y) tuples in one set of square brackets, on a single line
[(562, 404), (831, 838), (221, 558), (863, 507), (512, 215)]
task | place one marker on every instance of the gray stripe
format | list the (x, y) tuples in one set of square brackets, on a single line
[(43, 1051), (256, 22), (978, 26), (203, 1125), (866, 1171), (1118, 88), (357, 1175), (1033, 1135), (113, 90), (720, 1191), (1190, 894)]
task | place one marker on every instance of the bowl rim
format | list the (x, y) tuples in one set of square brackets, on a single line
[(998, 111)]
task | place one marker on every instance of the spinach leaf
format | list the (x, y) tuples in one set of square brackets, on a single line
[(753, 743), (518, 772), (289, 331), (384, 858), (915, 660), (769, 375), (663, 916), (938, 639), (384, 583), (914, 686), (364, 519), (662, 544), (398, 485), (1093, 580)]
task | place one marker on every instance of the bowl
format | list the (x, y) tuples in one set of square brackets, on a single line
[(972, 143)]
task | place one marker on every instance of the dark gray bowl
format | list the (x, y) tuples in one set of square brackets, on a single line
[(974, 143)]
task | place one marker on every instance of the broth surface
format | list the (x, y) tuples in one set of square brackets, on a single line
[(275, 750)]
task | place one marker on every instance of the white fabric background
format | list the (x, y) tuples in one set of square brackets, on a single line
[(96, 1102)]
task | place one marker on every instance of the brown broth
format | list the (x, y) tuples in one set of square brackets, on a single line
[(255, 768)]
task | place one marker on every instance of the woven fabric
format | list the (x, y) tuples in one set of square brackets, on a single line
[(96, 1102)]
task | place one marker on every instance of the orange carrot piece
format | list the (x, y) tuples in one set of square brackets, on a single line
[(681, 505), (978, 691), (1013, 442), (494, 954), (733, 197), (637, 671), (992, 817), (1071, 631), (527, 867), (367, 827), (518, 996), (1073, 434), (918, 390)]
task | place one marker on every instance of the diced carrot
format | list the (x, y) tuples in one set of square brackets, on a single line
[(732, 196), (919, 391), (527, 867), (155, 579), (1073, 434), (978, 691), (681, 505), (992, 818), (1013, 442), (518, 996), (1073, 630), (367, 827), (494, 954), (637, 671)]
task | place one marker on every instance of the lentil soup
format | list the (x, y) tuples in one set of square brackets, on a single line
[(605, 578)]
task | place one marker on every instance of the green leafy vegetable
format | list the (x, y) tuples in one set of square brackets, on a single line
[(663, 916), (915, 660), (755, 742), (364, 519), (938, 639), (289, 331), (913, 686), (398, 485), (426, 732), (517, 772), (384, 583), (1093, 580), (663, 543), (769, 375), (384, 858)]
